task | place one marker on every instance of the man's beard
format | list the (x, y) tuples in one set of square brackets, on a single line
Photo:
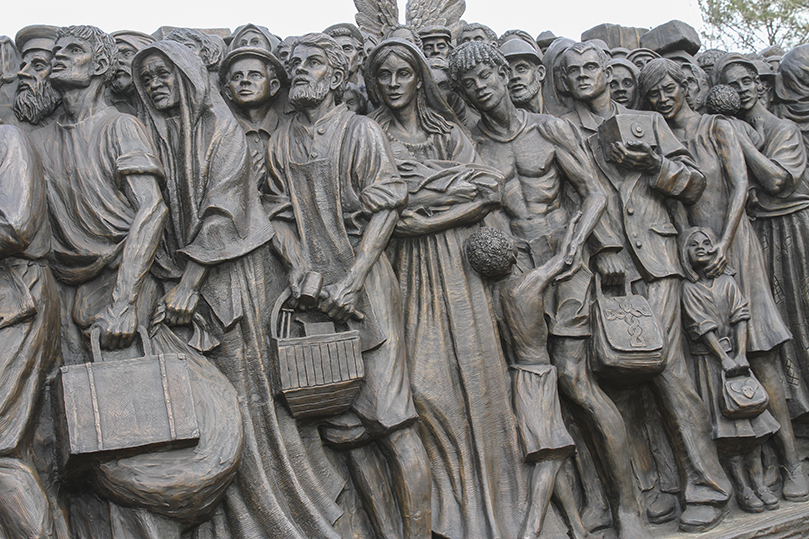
[(33, 106), (528, 94), (309, 95)]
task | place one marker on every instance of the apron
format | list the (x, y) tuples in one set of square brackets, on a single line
[(315, 191)]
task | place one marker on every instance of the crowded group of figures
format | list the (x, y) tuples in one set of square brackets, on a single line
[(465, 202)]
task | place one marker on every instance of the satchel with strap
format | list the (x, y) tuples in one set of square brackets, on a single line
[(627, 342)]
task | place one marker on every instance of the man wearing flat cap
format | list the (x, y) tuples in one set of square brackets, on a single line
[(121, 91), (436, 41), (527, 74), (252, 80), (35, 101)]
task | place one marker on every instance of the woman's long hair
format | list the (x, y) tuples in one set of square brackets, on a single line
[(434, 115)]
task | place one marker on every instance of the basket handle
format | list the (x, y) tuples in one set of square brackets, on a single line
[(95, 342), (276, 309)]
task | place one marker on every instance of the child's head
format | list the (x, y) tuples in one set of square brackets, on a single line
[(490, 253), (694, 250)]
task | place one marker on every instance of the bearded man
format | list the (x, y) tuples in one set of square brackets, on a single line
[(35, 101), (527, 74), (121, 91), (339, 194)]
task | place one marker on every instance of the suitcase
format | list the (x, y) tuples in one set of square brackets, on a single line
[(122, 408), (317, 375)]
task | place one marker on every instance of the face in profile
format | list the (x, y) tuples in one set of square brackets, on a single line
[(73, 64), (251, 83), (397, 82), (159, 78)]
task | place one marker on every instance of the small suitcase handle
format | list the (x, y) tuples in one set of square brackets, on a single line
[(95, 342), (627, 285)]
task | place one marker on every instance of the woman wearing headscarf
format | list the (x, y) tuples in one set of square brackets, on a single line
[(624, 84), (713, 142), (458, 373), (211, 264)]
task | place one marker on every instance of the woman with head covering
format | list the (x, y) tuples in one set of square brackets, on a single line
[(212, 266), (624, 84), (792, 89), (458, 372), (713, 142)]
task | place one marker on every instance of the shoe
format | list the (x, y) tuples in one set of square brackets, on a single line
[(700, 518), (769, 499), (662, 509), (749, 502), (796, 488)]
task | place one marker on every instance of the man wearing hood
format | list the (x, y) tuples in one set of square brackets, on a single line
[(212, 268), (121, 91), (35, 101), (334, 178)]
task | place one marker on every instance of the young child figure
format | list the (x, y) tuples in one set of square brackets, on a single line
[(545, 440), (715, 315)]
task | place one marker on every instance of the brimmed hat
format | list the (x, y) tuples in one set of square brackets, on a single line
[(252, 52), (514, 48)]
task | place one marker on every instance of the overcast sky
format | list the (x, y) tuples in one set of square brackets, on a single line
[(294, 17)]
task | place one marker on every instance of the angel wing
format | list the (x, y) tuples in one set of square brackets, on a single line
[(420, 13), (376, 17)]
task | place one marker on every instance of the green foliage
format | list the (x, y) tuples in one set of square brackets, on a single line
[(750, 25)]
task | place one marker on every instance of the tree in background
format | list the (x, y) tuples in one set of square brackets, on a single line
[(750, 25)]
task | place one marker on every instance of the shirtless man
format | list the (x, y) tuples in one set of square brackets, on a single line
[(538, 154)]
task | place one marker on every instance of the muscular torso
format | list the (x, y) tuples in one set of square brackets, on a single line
[(533, 179)]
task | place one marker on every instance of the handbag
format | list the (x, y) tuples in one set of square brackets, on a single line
[(627, 341), (743, 396)]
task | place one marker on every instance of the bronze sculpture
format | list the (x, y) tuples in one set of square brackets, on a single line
[(357, 210), (251, 229), (640, 216)]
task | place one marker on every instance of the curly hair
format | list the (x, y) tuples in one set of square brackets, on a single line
[(490, 252), (210, 51), (472, 53), (335, 56), (101, 43)]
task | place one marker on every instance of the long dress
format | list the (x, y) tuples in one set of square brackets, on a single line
[(766, 329), (782, 225), (459, 374)]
